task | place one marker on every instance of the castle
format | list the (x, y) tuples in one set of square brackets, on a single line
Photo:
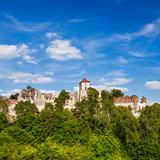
[(132, 102), (39, 99)]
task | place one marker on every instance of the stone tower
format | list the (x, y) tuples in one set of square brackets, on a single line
[(83, 86)]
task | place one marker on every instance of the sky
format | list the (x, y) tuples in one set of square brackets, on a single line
[(53, 44)]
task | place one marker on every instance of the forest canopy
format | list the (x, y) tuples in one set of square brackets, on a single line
[(94, 130)]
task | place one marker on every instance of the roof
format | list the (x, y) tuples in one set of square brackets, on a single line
[(84, 80)]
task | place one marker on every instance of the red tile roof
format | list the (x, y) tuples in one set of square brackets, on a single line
[(85, 81)]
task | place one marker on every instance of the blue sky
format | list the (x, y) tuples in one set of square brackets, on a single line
[(53, 44)]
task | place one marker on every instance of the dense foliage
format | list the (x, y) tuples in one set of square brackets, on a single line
[(95, 130)]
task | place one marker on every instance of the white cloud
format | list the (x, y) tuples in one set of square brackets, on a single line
[(23, 77), (24, 26), (138, 54), (63, 50), (49, 73), (141, 54), (19, 62), (14, 51), (149, 103), (126, 42), (123, 89), (76, 20), (116, 73), (149, 29), (120, 37), (109, 88), (115, 77), (155, 85), (119, 81), (29, 59), (52, 35), (10, 92), (14, 91), (76, 88), (114, 80), (9, 51), (80, 20), (122, 60), (41, 46)]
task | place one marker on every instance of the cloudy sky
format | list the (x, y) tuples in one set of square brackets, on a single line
[(53, 44)]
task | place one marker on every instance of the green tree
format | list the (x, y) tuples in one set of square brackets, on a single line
[(50, 150), (124, 125), (117, 93), (45, 121), (3, 105), (62, 98), (106, 100), (18, 134), (150, 123), (102, 121), (104, 147), (49, 107), (26, 152), (26, 108), (93, 100), (3, 121), (27, 118), (145, 150), (65, 127), (14, 96), (11, 145)]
